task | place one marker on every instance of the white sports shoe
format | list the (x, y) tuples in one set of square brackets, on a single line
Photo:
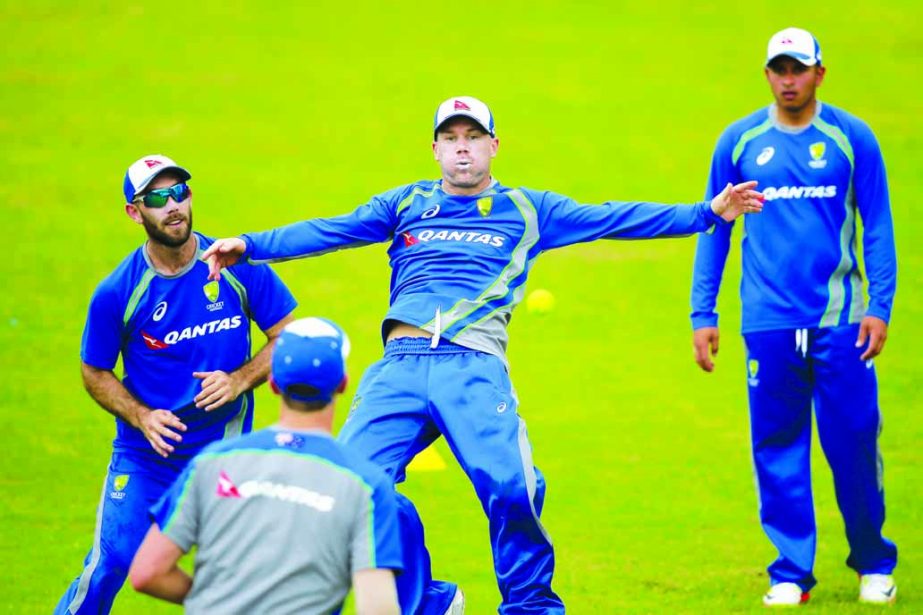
[(458, 603), (785, 594), (877, 589)]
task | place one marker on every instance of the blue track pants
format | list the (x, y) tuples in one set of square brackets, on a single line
[(410, 398), (130, 489), (788, 370)]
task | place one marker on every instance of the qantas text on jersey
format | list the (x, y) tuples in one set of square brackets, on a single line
[(466, 236), (798, 192), (213, 326)]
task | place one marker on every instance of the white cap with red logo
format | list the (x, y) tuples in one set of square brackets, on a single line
[(466, 106), (144, 170), (795, 43)]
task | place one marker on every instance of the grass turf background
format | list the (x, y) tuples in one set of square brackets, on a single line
[(297, 110)]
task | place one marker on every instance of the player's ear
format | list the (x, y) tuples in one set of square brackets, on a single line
[(494, 146), (131, 210), (821, 71)]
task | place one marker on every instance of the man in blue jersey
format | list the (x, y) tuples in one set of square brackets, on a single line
[(461, 248), (809, 336), (187, 371), (285, 519)]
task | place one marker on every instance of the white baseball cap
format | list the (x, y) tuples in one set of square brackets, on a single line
[(466, 106), (795, 43), (145, 169)]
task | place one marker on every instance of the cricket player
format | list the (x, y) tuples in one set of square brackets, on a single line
[(284, 519), (461, 248), (187, 374), (810, 338)]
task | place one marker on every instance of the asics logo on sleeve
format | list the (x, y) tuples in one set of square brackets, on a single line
[(799, 192), (463, 236)]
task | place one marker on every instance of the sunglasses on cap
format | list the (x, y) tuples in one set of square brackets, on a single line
[(158, 198)]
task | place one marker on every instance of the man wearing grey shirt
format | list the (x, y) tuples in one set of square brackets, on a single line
[(285, 519)]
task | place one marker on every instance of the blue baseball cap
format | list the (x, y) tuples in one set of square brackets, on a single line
[(794, 43), (144, 170), (309, 360)]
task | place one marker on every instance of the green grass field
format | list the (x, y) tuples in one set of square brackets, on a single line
[(290, 110)]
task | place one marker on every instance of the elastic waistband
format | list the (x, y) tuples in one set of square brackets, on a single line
[(422, 345)]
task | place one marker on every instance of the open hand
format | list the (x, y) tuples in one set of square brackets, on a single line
[(734, 201)]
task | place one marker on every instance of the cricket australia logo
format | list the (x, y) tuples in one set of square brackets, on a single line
[(817, 151), (485, 205), (753, 368), (118, 486), (765, 155), (212, 290)]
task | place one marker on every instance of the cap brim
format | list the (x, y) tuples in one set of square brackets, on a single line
[(183, 173), (806, 60), (470, 116)]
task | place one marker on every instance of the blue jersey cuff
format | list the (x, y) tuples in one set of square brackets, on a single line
[(701, 320), (248, 250), (712, 216)]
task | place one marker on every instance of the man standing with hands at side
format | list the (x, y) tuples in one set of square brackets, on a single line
[(809, 336)]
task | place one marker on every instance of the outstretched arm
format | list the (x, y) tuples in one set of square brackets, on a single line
[(563, 221), (373, 222)]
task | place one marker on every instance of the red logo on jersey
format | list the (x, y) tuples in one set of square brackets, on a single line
[(226, 487), (152, 342), (409, 240), (460, 106), (152, 163)]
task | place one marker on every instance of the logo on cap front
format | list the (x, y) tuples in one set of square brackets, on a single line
[(151, 163), (460, 106)]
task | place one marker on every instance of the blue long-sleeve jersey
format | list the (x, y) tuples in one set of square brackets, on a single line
[(459, 263), (799, 255)]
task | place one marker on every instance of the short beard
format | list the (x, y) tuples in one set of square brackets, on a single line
[(158, 236)]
